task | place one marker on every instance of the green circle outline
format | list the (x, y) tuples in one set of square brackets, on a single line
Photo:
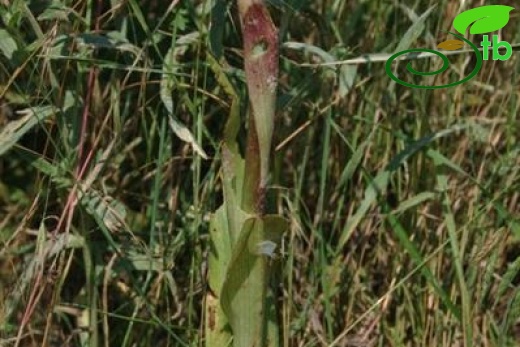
[(445, 65)]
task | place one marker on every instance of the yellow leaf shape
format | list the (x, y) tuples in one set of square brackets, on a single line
[(450, 45)]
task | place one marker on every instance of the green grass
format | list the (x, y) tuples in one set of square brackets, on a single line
[(403, 203)]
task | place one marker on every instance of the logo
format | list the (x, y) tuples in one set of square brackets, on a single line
[(479, 20)]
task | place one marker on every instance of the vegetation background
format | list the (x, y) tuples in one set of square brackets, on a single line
[(403, 203)]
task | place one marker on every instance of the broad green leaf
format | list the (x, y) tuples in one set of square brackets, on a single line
[(226, 224), (232, 180), (485, 19), (244, 291), (232, 162), (217, 332), (217, 327), (220, 249)]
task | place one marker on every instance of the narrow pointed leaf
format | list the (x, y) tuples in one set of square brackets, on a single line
[(261, 66), (168, 83), (413, 33)]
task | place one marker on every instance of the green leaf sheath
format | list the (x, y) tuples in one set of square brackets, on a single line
[(245, 288)]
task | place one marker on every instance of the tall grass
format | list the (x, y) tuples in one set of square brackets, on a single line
[(403, 203)]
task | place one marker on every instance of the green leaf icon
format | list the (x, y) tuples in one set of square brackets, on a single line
[(485, 19)]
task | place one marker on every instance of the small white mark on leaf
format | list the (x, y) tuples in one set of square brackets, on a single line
[(272, 82), (259, 49), (266, 248)]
